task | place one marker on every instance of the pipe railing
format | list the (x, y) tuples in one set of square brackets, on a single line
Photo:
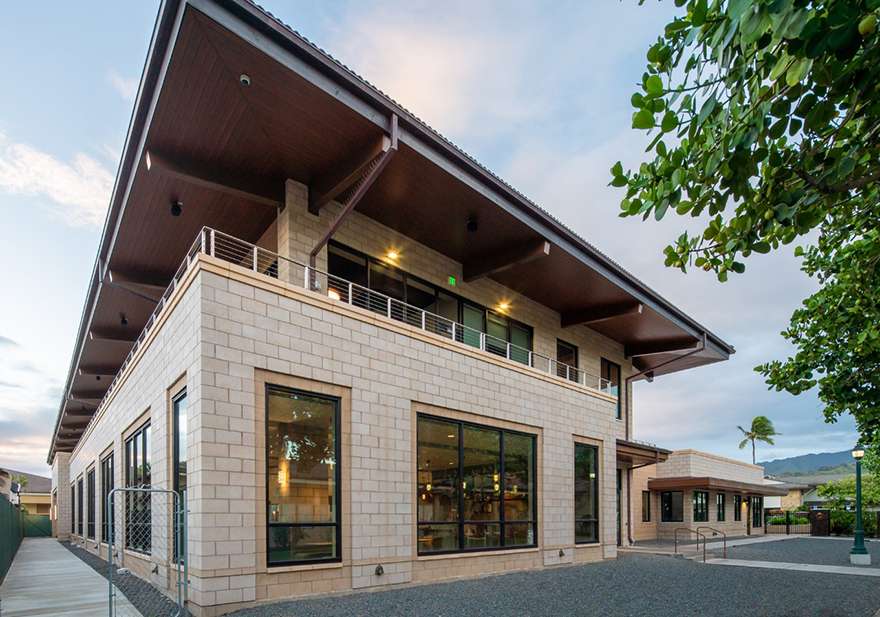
[(262, 261), (699, 535), (715, 532)]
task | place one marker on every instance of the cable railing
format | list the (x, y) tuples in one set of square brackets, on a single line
[(257, 259)]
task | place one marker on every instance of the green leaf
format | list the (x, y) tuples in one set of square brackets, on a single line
[(617, 170), (737, 8), (661, 210), (654, 85), (643, 120), (761, 247), (670, 122), (637, 100), (708, 106)]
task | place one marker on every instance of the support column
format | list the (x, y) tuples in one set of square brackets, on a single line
[(62, 509), (299, 231)]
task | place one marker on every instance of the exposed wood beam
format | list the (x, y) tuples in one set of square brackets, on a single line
[(658, 347), (93, 403), (601, 313), (504, 260), (89, 395), (149, 294), (258, 189), (141, 278), (82, 415), (323, 192), (113, 335), (98, 371)]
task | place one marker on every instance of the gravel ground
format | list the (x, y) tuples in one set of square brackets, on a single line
[(632, 585), (818, 551), (146, 598)]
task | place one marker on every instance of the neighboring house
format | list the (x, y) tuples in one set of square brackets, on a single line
[(802, 490), (36, 496), (694, 489), (437, 382)]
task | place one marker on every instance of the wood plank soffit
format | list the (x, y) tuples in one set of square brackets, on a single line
[(113, 335), (141, 278), (325, 190), (499, 261), (258, 189), (598, 314), (659, 347)]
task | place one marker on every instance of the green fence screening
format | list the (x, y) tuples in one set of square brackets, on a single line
[(11, 533), (37, 526)]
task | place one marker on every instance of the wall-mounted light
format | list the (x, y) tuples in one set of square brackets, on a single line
[(334, 295), (503, 306), (428, 486), (176, 208), (282, 476), (392, 255)]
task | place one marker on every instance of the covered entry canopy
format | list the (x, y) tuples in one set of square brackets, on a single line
[(634, 453), (232, 103), (713, 484)]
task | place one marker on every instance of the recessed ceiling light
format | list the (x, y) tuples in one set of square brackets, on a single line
[(503, 306), (176, 208), (245, 80), (392, 255)]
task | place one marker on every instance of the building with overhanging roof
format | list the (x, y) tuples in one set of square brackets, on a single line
[(365, 359)]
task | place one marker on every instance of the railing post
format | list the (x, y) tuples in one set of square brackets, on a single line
[(204, 240), (306, 279), (482, 341), (256, 259), (389, 308), (508, 351), (350, 294), (423, 321), (454, 337), (531, 359), (213, 244)]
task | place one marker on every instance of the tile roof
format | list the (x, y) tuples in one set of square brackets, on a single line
[(36, 484)]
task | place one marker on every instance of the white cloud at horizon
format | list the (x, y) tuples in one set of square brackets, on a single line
[(126, 88), (78, 192)]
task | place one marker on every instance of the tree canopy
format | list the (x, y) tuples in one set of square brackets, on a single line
[(760, 430), (765, 117), (838, 493)]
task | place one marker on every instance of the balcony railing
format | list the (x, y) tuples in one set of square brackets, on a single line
[(249, 256)]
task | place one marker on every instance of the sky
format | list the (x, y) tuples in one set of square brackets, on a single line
[(538, 95)]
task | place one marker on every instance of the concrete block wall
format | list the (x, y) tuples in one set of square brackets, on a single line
[(702, 464), (61, 492)]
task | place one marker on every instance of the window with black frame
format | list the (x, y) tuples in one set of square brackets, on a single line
[(302, 465), (671, 506), (719, 507), (475, 487), (610, 372), (106, 487), (79, 506), (90, 510), (586, 493), (646, 506), (73, 509), (138, 514), (179, 437), (701, 507), (757, 512), (567, 360), (737, 508)]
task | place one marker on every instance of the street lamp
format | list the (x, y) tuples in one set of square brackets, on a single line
[(859, 554)]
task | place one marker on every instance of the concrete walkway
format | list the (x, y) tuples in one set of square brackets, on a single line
[(797, 567), (47, 580)]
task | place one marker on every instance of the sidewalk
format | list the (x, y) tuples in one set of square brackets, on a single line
[(46, 580)]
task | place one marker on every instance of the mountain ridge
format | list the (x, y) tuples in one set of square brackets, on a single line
[(806, 462)]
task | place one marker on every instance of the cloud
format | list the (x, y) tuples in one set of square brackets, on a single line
[(7, 342), (127, 88), (79, 192)]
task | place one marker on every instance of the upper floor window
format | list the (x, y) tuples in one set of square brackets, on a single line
[(610, 372), (567, 358), (484, 328), (475, 487), (302, 464)]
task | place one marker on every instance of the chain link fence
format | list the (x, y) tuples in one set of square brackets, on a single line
[(147, 539)]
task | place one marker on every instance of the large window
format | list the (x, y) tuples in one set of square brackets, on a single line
[(79, 506), (567, 357), (302, 464), (138, 516), (672, 506), (719, 507), (586, 493), (701, 507), (347, 265), (90, 489), (106, 487), (475, 487), (611, 372), (178, 410), (757, 512), (73, 509), (646, 506), (737, 508)]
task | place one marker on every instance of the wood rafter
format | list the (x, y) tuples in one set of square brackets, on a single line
[(505, 259), (658, 347), (598, 314), (141, 278), (98, 371), (258, 189)]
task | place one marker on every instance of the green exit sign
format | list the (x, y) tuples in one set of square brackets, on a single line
[(451, 281)]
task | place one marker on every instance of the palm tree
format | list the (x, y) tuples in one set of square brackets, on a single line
[(762, 430), (21, 480)]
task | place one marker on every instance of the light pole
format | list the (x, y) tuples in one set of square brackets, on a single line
[(859, 554)]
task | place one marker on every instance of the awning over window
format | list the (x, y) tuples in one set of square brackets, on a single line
[(636, 453), (713, 484)]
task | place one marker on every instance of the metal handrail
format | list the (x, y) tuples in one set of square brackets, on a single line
[(716, 532), (262, 261), (699, 535)]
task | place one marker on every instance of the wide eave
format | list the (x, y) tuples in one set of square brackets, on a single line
[(199, 136)]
